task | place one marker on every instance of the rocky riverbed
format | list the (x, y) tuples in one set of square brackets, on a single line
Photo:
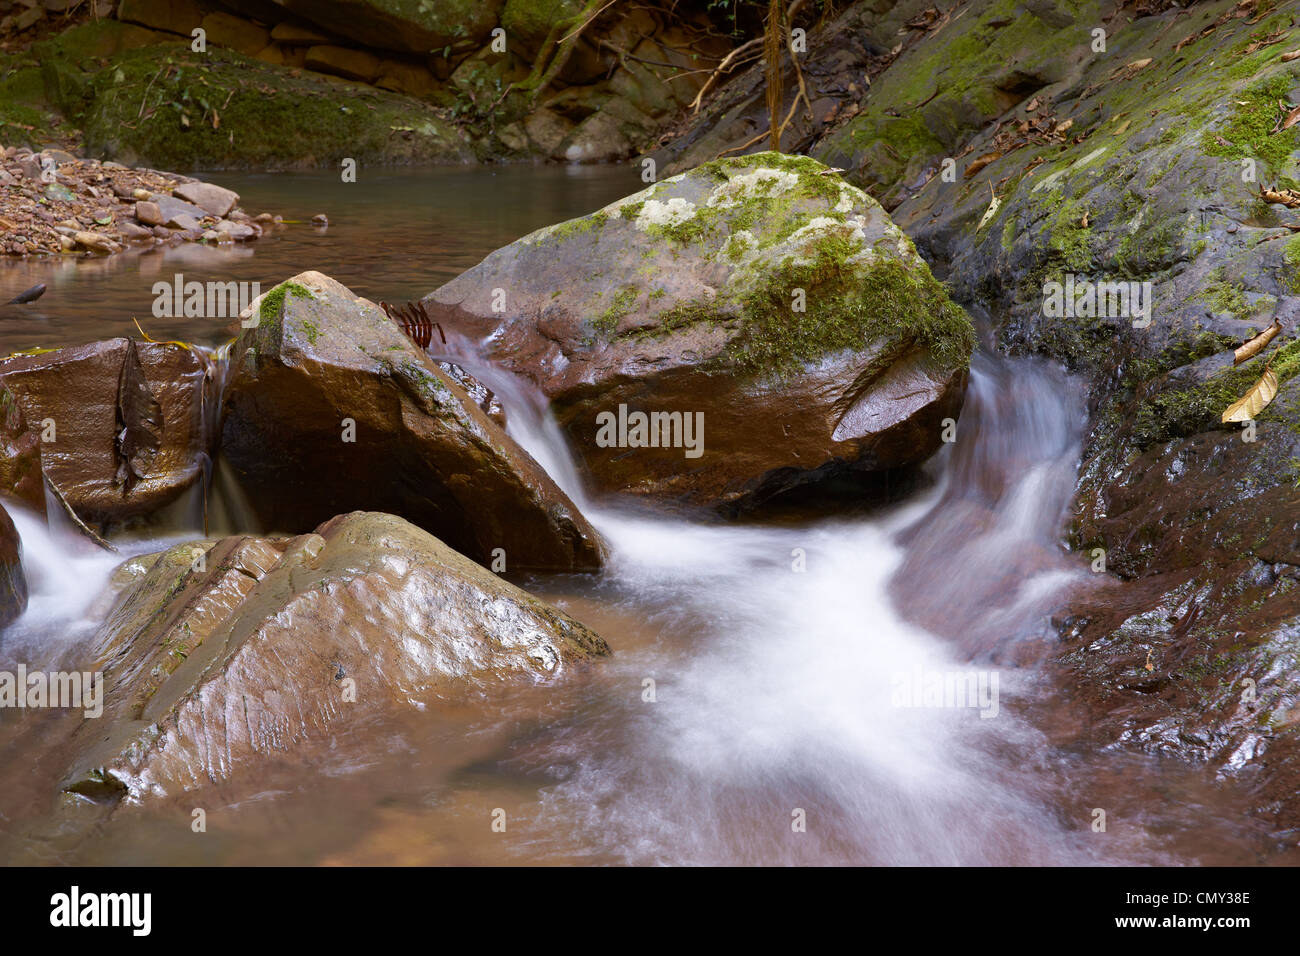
[(1110, 189)]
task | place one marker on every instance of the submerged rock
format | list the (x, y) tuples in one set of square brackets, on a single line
[(218, 656), (330, 408), (760, 298), (116, 426), (13, 586)]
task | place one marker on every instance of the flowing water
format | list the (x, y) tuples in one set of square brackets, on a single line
[(761, 704)]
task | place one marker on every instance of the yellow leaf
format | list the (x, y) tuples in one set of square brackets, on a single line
[(1254, 401), (990, 212)]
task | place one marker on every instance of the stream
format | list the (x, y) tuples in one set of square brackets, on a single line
[(766, 700)]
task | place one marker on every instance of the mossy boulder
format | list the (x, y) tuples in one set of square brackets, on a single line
[(373, 423), (407, 26), (763, 292), (167, 107), (259, 649)]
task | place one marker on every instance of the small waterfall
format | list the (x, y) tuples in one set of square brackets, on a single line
[(778, 655)]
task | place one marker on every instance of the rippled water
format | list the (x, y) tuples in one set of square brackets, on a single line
[(757, 668)]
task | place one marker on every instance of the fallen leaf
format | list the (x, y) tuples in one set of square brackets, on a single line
[(1033, 105), (1063, 126), (1293, 55), (990, 212), (1122, 127), (980, 162), (139, 422), (1287, 121), (1285, 197), (1254, 401), (1254, 345)]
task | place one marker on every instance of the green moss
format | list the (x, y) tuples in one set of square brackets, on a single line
[(272, 308), (168, 107), (576, 227), (624, 302), (1185, 411), (1291, 255), (847, 309), (1249, 129)]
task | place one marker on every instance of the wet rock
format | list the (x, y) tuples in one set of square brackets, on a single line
[(185, 222), (13, 586), (212, 199), (236, 231), (761, 299), (376, 425), (20, 456), (71, 398), (149, 213), (275, 644)]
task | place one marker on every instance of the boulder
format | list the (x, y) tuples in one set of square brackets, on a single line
[(341, 61), (528, 22), (217, 656), (81, 399), (173, 16), (212, 199), (760, 297), (20, 455), (291, 34), (235, 33), (13, 586), (375, 424), (400, 25)]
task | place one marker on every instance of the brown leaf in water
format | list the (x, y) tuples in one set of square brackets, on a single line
[(1254, 345), (980, 162), (1254, 401), (139, 422)]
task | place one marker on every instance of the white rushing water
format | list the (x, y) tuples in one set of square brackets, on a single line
[(783, 652), (784, 659)]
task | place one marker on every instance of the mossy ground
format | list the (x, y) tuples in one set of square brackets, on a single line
[(168, 107)]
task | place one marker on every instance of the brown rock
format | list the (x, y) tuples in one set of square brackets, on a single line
[(212, 199), (20, 455), (77, 391), (774, 309), (341, 61), (293, 35), (285, 641), (173, 16), (13, 586), (376, 425), (235, 33)]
